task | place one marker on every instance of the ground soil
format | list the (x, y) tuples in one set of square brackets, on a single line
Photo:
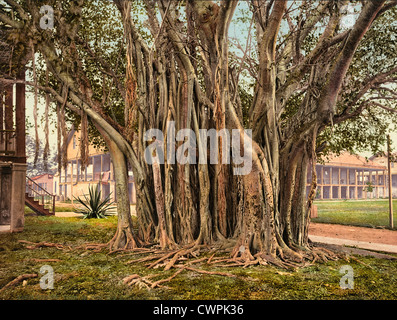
[(353, 233)]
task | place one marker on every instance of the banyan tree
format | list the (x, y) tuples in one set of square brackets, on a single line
[(180, 103)]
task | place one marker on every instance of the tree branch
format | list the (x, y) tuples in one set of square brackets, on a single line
[(382, 106), (8, 21), (338, 72)]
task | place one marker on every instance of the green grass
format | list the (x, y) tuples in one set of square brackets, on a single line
[(373, 213), (88, 275)]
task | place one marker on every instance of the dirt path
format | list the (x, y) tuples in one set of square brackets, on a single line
[(353, 233)]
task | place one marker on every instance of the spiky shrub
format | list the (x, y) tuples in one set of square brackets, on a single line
[(93, 206)]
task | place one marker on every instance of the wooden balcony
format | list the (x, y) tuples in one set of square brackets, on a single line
[(8, 142), (12, 122), (12, 134)]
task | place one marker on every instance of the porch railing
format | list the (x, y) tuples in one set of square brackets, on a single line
[(38, 193)]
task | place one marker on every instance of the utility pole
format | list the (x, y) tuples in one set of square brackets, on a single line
[(390, 183), (71, 181)]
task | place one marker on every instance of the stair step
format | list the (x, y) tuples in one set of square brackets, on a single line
[(38, 208), (35, 204)]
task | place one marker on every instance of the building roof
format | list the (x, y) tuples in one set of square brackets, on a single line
[(346, 159), (74, 151), (381, 159), (42, 175)]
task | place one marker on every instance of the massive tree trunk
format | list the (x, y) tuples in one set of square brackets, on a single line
[(125, 237), (268, 212)]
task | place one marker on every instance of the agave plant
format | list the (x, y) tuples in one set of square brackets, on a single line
[(93, 206)]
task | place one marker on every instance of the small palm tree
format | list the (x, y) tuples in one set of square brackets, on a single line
[(94, 207)]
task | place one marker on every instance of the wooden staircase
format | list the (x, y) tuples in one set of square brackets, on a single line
[(38, 199)]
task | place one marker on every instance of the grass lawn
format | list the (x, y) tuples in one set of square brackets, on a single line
[(81, 274), (371, 213), (59, 207)]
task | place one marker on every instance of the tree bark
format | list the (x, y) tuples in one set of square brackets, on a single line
[(124, 237)]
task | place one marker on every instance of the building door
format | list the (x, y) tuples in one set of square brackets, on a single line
[(105, 188), (5, 199)]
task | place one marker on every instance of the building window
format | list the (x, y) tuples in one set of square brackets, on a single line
[(89, 169), (74, 142)]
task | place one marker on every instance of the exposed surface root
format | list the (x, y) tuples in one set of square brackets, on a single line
[(45, 260), (168, 258), (132, 251), (19, 279), (149, 258), (216, 273), (183, 259), (188, 258), (95, 247), (139, 281), (190, 255), (157, 283), (34, 245), (124, 240), (157, 257)]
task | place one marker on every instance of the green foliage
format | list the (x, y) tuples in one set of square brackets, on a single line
[(246, 101), (94, 207), (367, 132), (369, 187), (100, 34), (292, 106)]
